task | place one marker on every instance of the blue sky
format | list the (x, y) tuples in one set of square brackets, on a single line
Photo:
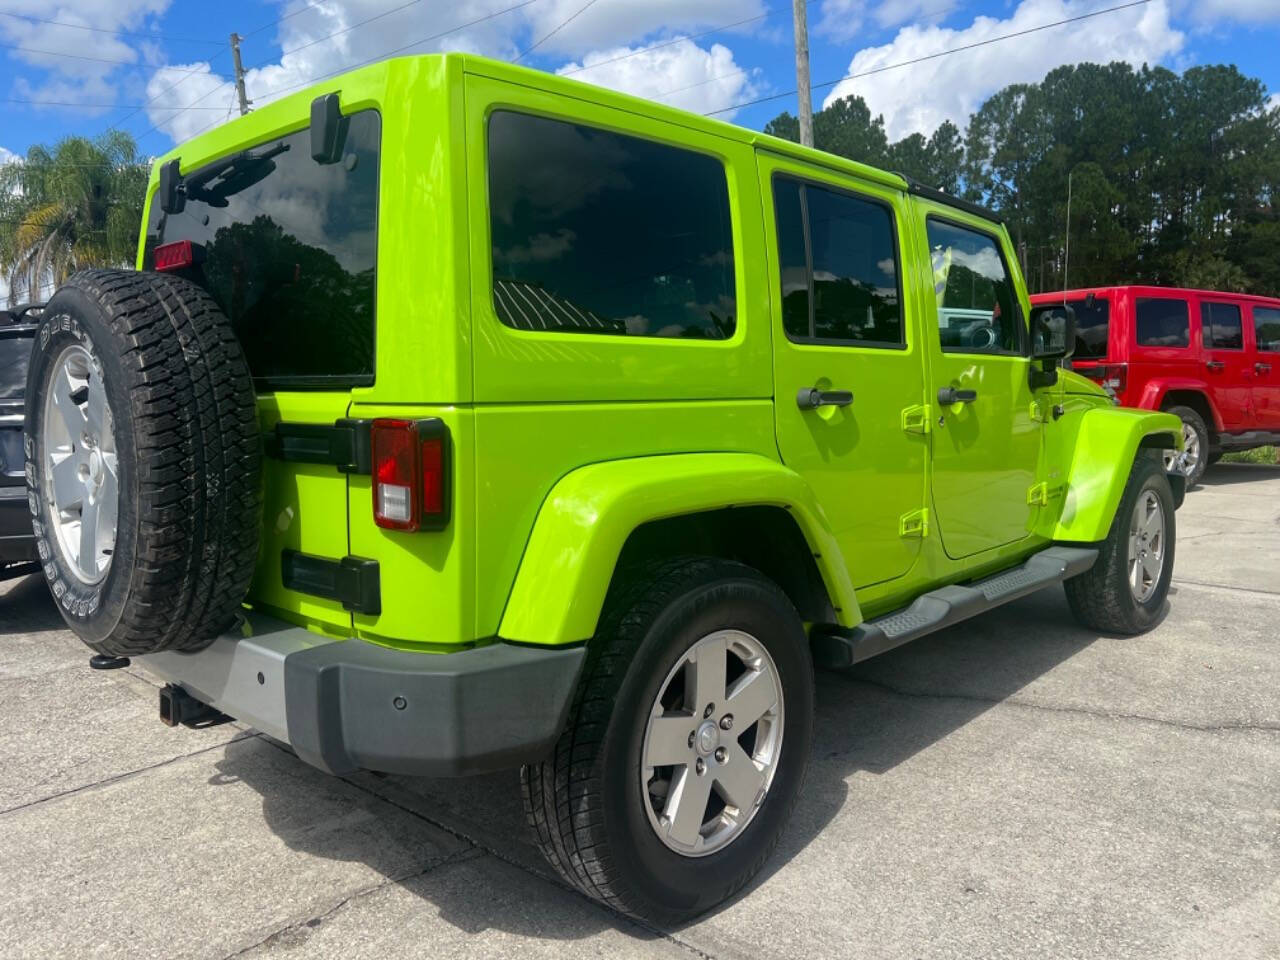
[(161, 68)]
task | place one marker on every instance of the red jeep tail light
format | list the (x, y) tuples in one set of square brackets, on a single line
[(174, 256), (410, 474)]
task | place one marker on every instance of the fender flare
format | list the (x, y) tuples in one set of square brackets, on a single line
[(1154, 392), (585, 520), (1106, 444)]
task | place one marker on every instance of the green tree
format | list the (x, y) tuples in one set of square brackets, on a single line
[(63, 209), (846, 128)]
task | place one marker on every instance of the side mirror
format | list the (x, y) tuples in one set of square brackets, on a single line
[(1053, 333)]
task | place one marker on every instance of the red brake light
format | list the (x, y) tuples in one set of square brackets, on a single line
[(410, 474), (174, 256), (1112, 376)]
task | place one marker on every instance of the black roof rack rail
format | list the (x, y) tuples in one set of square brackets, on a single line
[(968, 206)]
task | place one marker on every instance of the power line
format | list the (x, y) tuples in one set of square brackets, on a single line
[(667, 43), (69, 56), (922, 59), (83, 105), (547, 36), (114, 33)]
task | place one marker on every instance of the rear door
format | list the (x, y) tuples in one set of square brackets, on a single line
[(286, 245), (847, 328), (986, 449), (1228, 367), (1265, 322)]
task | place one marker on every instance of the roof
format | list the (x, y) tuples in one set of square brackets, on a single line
[(1140, 289)]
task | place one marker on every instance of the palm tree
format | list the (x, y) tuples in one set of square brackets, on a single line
[(78, 205)]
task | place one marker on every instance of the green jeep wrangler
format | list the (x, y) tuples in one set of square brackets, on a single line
[(459, 417)]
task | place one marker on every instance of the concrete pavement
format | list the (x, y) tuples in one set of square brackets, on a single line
[(1012, 787)]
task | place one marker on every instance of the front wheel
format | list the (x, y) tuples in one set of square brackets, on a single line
[(1125, 590), (686, 744)]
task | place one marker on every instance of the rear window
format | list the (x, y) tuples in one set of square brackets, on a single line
[(286, 246), (597, 232), (1093, 323), (1163, 323), (1266, 328), (1220, 326)]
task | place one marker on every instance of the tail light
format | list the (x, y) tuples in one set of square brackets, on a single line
[(1112, 377), (175, 256), (410, 474)]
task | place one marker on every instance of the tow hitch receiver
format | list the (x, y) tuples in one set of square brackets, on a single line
[(179, 707)]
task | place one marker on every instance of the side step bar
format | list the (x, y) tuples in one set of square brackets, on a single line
[(835, 647)]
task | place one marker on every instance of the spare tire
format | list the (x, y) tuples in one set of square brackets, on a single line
[(143, 462)]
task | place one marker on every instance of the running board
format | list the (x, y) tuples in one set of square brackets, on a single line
[(837, 647)]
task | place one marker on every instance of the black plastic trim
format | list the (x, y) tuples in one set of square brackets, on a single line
[(354, 705), (345, 444), (938, 196), (355, 582)]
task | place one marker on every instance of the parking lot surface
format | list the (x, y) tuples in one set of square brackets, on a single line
[(1012, 787)]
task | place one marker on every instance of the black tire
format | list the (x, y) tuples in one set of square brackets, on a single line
[(585, 803), (1196, 422), (1214, 457), (188, 459), (1101, 598)]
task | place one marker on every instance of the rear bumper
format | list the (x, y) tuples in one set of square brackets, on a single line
[(349, 705)]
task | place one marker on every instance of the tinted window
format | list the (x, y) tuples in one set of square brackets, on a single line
[(1092, 326), (1266, 328), (286, 247), (596, 232), (1220, 326), (977, 306), (839, 266), (1163, 323)]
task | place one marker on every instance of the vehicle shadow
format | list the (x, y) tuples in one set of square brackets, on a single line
[(26, 606), (869, 719), (1226, 474)]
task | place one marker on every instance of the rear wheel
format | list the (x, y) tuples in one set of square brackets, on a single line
[(686, 744), (1195, 440), (1125, 590)]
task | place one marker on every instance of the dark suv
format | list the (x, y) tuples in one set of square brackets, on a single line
[(17, 545)]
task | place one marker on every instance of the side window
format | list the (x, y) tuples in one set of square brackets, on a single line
[(1163, 323), (1220, 326), (1266, 328), (977, 306), (839, 265), (597, 232)]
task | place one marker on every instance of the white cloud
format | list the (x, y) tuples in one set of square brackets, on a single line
[(1273, 101), (681, 75), (59, 75), (916, 99), (8, 156), (313, 51), (842, 20)]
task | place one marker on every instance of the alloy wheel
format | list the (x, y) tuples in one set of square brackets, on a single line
[(1146, 546)]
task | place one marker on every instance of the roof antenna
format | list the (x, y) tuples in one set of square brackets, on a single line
[(1066, 257)]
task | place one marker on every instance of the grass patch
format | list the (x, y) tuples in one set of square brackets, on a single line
[(1259, 455)]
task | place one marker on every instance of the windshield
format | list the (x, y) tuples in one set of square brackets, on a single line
[(286, 246), (1092, 326)]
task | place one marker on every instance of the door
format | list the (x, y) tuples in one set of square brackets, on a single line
[(847, 365), (1228, 368), (1266, 367), (985, 439)]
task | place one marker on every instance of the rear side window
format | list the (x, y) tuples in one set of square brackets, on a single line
[(286, 246), (1266, 328), (1163, 323), (839, 263), (977, 306), (597, 232), (1220, 326)]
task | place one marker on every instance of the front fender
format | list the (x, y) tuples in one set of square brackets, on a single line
[(1106, 443), (580, 531)]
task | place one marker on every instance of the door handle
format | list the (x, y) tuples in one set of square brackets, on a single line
[(1262, 368), (949, 396), (1215, 365), (810, 398)]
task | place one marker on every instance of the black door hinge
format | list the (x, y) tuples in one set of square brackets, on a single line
[(345, 444), (354, 582)]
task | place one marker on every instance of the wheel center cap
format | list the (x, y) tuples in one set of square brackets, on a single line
[(708, 738)]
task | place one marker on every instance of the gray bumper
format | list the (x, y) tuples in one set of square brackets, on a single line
[(346, 705)]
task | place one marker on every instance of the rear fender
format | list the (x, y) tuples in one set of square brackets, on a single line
[(1106, 443), (1154, 392), (569, 562)]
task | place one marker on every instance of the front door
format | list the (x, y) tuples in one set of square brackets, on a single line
[(847, 363), (985, 438)]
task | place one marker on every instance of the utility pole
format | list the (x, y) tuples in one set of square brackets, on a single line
[(802, 73), (235, 56)]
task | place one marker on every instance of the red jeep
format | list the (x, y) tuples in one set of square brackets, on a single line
[(1211, 358)]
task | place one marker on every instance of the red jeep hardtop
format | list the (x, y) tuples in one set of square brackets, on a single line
[(1212, 358)]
